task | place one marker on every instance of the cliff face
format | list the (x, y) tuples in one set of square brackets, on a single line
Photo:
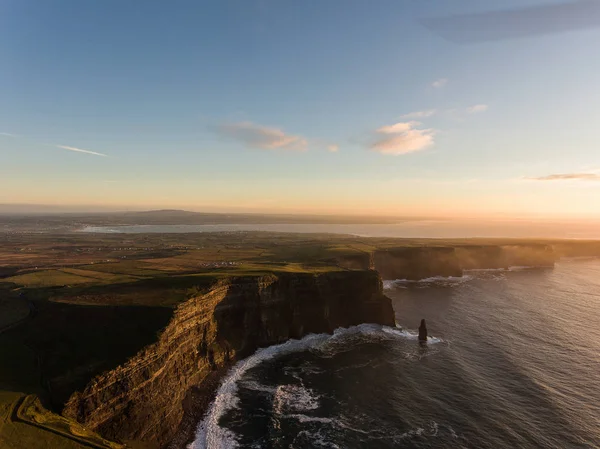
[(142, 399), (416, 263), (532, 255), (482, 257)]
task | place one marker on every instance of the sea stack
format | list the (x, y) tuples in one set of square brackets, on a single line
[(423, 331)]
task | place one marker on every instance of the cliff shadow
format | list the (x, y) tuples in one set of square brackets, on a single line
[(71, 344)]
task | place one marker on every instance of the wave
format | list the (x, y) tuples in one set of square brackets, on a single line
[(409, 335), (294, 398), (434, 280), (210, 435), (451, 281), (484, 270), (528, 267)]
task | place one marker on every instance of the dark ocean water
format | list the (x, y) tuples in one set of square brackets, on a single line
[(515, 363)]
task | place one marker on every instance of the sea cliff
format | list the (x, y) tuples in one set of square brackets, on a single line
[(415, 263), (143, 399)]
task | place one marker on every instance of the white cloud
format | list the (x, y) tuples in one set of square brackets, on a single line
[(419, 114), (569, 177), (333, 148), (440, 83), (398, 127), (477, 108), (7, 134), (79, 150), (403, 138), (263, 137)]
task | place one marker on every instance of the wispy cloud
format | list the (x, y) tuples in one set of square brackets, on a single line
[(79, 150), (333, 148), (263, 137), (419, 114), (477, 108), (520, 22), (568, 176), (403, 138), (439, 83), (7, 135)]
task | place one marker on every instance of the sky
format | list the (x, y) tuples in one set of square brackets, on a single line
[(389, 107)]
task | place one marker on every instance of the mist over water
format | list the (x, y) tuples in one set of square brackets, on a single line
[(514, 362)]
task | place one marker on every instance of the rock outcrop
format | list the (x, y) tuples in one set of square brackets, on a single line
[(423, 331), (142, 399)]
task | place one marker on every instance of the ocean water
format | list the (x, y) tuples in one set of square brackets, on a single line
[(407, 229), (513, 361)]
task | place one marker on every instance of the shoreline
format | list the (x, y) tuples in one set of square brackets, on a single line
[(195, 405)]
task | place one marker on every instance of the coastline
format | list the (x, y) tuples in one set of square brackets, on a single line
[(195, 406)]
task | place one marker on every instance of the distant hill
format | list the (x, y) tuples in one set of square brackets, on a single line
[(53, 220)]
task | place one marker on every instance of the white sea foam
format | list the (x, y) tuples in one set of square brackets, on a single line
[(257, 386), (294, 398), (409, 335), (305, 418), (525, 267), (434, 280), (210, 435), (511, 268), (315, 439), (484, 270)]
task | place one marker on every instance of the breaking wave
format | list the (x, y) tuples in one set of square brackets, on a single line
[(289, 400), (449, 281), (453, 281)]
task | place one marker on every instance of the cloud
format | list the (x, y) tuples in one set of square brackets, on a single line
[(520, 22), (569, 176), (398, 127), (403, 138), (7, 134), (263, 137), (440, 83), (419, 114), (477, 108), (333, 148), (79, 150)]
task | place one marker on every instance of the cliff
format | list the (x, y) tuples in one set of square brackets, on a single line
[(530, 255), (143, 399), (415, 263)]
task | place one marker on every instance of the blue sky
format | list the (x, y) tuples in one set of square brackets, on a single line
[(285, 106)]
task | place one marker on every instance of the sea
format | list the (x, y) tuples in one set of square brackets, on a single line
[(512, 361), (406, 229)]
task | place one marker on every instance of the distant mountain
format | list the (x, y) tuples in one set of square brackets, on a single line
[(50, 218)]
